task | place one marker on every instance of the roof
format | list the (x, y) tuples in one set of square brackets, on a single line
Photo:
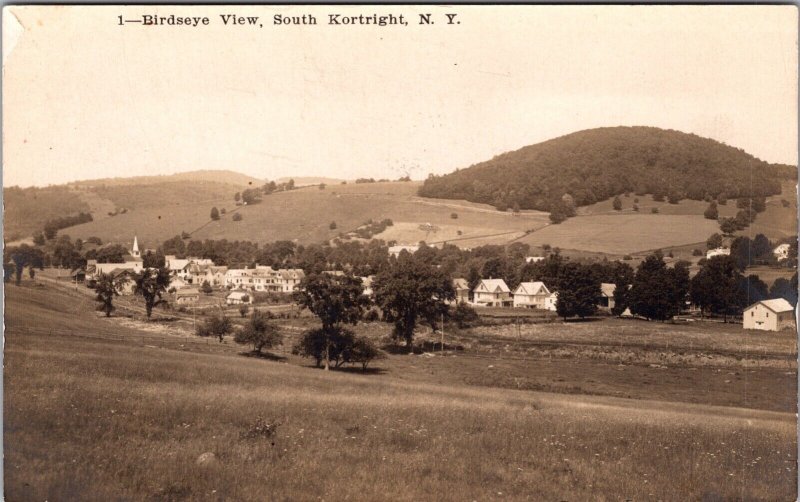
[(532, 288), (238, 295), (460, 283), (177, 264), (608, 289), (187, 292), (493, 285), (776, 305)]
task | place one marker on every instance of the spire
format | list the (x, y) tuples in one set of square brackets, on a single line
[(135, 251)]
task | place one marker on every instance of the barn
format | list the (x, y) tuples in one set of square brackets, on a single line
[(769, 315)]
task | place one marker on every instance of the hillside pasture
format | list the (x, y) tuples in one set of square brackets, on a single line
[(97, 419), (624, 233)]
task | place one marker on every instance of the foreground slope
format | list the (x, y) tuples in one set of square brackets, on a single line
[(99, 419)]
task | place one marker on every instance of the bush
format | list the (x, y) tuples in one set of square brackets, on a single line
[(454, 216), (654, 210), (627, 257), (362, 351), (218, 326), (464, 316), (259, 333), (244, 309), (332, 226), (237, 217), (697, 252), (617, 204)]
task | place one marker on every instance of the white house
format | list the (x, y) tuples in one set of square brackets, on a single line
[(289, 279), (492, 293), (238, 298), (769, 315), (781, 252), (239, 278), (718, 252), (531, 295), (607, 295), (533, 259), (366, 283)]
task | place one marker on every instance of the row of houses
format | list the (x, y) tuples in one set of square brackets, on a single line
[(496, 293), (188, 274)]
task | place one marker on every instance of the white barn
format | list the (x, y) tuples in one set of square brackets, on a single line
[(769, 315)]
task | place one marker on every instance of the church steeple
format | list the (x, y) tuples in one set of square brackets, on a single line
[(135, 250)]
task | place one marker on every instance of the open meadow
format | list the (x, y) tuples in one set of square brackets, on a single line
[(158, 211), (101, 409)]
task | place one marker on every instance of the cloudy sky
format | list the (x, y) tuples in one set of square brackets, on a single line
[(86, 98)]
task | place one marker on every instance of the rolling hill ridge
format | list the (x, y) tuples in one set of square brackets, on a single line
[(596, 164)]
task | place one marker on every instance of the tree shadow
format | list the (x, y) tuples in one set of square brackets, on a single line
[(396, 349), (263, 355), (358, 370), (584, 319)]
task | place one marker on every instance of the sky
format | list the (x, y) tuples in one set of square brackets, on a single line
[(85, 98)]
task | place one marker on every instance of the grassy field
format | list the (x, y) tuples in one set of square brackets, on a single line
[(158, 209), (112, 418)]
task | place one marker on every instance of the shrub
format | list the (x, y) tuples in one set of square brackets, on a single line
[(244, 309), (464, 316), (237, 217), (332, 226), (697, 252), (654, 210), (218, 326), (362, 351), (312, 344), (454, 216), (259, 332)]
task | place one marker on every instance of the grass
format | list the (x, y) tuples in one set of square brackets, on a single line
[(98, 420)]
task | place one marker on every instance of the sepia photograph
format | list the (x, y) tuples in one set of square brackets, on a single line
[(400, 252)]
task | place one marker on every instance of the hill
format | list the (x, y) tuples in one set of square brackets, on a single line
[(596, 164), (26, 210), (207, 176)]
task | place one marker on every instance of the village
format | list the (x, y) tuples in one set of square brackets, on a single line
[(193, 279)]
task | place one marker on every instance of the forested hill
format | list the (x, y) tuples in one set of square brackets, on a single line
[(596, 164)]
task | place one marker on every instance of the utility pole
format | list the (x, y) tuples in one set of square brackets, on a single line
[(442, 333)]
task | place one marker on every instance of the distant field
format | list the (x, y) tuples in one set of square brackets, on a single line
[(103, 419), (624, 233), (159, 211)]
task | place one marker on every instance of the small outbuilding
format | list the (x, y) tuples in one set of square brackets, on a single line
[(769, 315), (238, 298), (187, 295)]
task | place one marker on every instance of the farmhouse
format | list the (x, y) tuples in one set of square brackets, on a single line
[(769, 315), (718, 252), (461, 287), (187, 295), (492, 293), (289, 279), (607, 296), (238, 298), (781, 252), (531, 295)]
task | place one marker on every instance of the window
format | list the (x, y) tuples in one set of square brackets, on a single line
[(752, 313)]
